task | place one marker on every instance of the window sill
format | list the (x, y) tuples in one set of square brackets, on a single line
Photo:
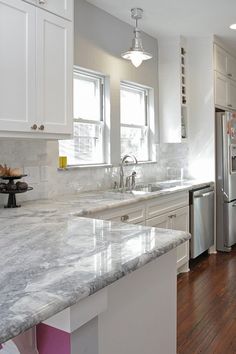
[(78, 167), (140, 163)]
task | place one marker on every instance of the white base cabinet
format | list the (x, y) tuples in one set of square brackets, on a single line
[(176, 220), (168, 212)]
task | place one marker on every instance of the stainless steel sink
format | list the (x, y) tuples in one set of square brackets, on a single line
[(148, 188), (151, 187)]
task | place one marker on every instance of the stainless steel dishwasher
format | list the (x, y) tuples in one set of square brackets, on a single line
[(201, 220)]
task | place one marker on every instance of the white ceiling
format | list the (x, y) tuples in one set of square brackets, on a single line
[(173, 17)]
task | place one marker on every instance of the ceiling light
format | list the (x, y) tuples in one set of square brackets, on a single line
[(233, 26), (136, 53)]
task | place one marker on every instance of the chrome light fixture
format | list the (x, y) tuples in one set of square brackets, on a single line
[(136, 53)]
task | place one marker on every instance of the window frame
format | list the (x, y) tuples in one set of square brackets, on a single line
[(101, 123), (147, 92)]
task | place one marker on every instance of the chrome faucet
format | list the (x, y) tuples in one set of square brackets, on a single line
[(130, 181), (123, 161)]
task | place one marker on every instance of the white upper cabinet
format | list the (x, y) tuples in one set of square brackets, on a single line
[(224, 62), (232, 94), (225, 91), (225, 78), (221, 90), (220, 56), (54, 74), (63, 8), (231, 67), (17, 65), (36, 71)]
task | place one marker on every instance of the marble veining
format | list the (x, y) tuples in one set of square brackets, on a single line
[(51, 257), (50, 261)]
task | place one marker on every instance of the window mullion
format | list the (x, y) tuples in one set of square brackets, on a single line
[(88, 121)]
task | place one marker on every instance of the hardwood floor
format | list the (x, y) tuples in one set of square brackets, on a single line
[(207, 306)]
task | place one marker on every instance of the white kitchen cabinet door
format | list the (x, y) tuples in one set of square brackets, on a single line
[(224, 63), (161, 221), (180, 221), (220, 56), (231, 67), (17, 66), (62, 8), (232, 94), (54, 73), (221, 90)]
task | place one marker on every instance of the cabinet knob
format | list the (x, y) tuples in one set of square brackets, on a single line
[(41, 127), (124, 218), (229, 75), (34, 127), (229, 105), (42, 2)]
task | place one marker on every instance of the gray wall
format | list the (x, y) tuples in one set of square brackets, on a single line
[(99, 41)]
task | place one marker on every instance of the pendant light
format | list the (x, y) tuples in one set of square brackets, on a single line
[(136, 53)]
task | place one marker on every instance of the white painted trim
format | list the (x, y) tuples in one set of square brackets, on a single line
[(72, 318)]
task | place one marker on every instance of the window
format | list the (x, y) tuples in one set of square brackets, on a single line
[(87, 147), (134, 121)]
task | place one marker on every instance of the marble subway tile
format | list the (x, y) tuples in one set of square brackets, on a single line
[(39, 159)]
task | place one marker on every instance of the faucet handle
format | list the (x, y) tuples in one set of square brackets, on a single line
[(133, 181), (127, 182), (115, 185)]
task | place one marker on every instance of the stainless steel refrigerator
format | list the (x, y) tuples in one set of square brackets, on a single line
[(225, 180)]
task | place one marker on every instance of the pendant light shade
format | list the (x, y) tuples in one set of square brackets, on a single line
[(136, 53)]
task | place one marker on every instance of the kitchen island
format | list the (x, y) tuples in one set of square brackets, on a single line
[(93, 285)]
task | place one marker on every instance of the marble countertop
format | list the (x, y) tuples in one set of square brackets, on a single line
[(88, 203), (51, 258), (49, 262)]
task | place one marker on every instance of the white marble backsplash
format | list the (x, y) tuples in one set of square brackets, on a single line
[(39, 160)]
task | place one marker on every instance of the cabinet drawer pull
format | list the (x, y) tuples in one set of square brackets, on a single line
[(229, 105), (229, 75), (41, 127), (42, 2), (34, 127), (124, 218)]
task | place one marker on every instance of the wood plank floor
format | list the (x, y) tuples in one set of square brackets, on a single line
[(207, 306)]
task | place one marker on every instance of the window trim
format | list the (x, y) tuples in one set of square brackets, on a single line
[(103, 119), (147, 90)]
